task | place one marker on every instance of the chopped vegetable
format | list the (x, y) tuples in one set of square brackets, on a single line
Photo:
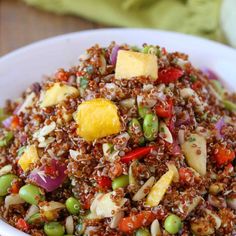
[(96, 119), (165, 109), (223, 155), (137, 154), (5, 183), (73, 205), (131, 64), (6, 140), (104, 182), (165, 133), (142, 232), (49, 210), (22, 224), (173, 224), (170, 75), (195, 152), (150, 127), (131, 223), (158, 190), (54, 229), (229, 105), (120, 182)]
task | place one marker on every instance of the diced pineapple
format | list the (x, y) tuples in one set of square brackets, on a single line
[(97, 118), (130, 64), (30, 156), (159, 189), (195, 152), (103, 206), (57, 93)]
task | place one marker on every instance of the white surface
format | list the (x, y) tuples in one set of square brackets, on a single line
[(26, 65)]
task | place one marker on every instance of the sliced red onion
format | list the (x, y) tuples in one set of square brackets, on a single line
[(219, 124), (15, 112), (210, 74), (114, 53), (49, 183), (175, 150), (7, 122), (184, 120)]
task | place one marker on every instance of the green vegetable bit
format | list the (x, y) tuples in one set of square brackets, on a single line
[(21, 151), (173, 224), (54, 229), (218, 87), (142, 111), (5, 183), (229, 105), (120, 182), (31, 194), (142, 232), (73, 205), (83, 83), (3, 116), (6, 140), (35, 219), (135, 129), (150, 127), (149, 49)]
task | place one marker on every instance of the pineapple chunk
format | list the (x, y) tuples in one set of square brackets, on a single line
[(97, 118), (57, 93), (130, 64), (30, 156), (195, 152), (159, 189)]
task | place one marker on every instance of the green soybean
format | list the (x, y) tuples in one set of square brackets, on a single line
[(142, 111), (173, 224), (73, 205), (120, 182), (149, 49), (5, 183), (150, 127), (6, 140), (54, 229), (229, 105), (31, 194), (142, 232)]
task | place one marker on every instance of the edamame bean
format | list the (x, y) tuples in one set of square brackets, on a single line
[(136, 132), (172, 224), (120, 182), (5, 183), (54, 229), (150, 127), (73, 205), (142, 111), (150, 50), (142, 232), (31, 194)]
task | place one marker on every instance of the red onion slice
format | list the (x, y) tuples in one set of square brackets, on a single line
[(49, 183), (114, 53), (218, 126), (7, 122)]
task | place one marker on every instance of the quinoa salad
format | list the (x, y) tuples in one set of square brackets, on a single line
[(130, 141)]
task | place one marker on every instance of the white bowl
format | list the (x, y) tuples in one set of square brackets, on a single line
[(26, 65)]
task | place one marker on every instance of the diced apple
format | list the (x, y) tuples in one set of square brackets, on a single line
[(159, 189), (97, 118), (131, 64), (30, 156), (195, 152), (57, 93)]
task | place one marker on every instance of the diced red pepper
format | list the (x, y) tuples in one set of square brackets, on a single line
[(137, 154), (185, 175), (15, 123), (15, 187), (169, 75), (62, 75), (104, 182), (223, 155), (22, 224), (131, 223), (171, 124), (165, 110), (196, 85)]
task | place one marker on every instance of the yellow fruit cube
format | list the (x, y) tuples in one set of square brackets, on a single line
[(30, 156), (159, 189), (130, 64), (58, 93), (97, 118)]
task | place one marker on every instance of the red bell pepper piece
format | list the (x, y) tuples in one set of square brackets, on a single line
[(131, 223), (137, 154), (223, 155), (185, 175), (170, 75), (164, 110), (104, 182), (22, 224)]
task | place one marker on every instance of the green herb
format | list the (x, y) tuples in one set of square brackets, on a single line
[(83, 82), (20, 151), (191, 139), (5, 141), (193, 79)]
